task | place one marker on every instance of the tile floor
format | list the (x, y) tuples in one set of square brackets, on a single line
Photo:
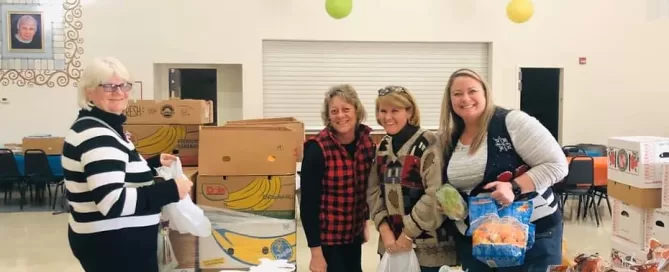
[(36, 241)]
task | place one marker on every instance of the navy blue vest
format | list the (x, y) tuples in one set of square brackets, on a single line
[(503, 163)]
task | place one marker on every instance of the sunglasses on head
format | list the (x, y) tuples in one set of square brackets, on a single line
[(392, 89)]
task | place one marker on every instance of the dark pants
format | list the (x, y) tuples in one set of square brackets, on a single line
[(95, 253), (343, 258), (547, 250)]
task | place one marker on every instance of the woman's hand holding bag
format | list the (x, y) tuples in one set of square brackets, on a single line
[(183, 216)]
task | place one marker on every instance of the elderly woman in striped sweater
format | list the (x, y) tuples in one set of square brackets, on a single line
[(113, 225)]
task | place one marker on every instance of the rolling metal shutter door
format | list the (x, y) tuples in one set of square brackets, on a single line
[(296, 74)]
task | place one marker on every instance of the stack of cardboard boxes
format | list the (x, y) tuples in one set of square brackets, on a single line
[(168, 126), (50, 145), (247, 167), (635, 175)]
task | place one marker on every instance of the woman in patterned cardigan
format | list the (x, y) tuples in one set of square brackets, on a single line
[(403, 182)]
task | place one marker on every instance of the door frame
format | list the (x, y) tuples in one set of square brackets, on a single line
[(560, 93), (161, 71)]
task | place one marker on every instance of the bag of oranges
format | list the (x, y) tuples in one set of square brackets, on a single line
[(500, 234)]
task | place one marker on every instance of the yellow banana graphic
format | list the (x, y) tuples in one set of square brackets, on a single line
[(249, 249), (269, 198), (240, 199), (156, 136), (259, 195), (164, 140)]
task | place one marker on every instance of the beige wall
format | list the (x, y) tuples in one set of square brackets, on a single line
[(619, 92)]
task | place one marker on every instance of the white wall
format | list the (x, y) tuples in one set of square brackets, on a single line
[(620, 91)]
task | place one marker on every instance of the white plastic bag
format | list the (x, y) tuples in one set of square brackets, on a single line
[(184, 216), (167, 261), (405, 261)]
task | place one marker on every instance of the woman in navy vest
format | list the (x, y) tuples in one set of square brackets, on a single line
[(336, 164), (507, 153)]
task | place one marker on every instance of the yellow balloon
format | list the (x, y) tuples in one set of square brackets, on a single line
[(339, 9), (519, 11)]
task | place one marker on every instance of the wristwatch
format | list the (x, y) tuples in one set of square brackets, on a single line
[(515, 188)]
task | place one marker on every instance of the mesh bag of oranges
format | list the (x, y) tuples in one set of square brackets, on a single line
[(500, 234)]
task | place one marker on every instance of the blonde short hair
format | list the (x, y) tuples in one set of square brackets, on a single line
[(400, 97), (349, 95), (97, 72), (450, 122)]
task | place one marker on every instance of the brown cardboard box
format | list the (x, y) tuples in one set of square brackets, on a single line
[(235, 245), (271, 196), (637, 197), (169, 112), (288, 122), (242, 150), (191, 173), (151, 140), (50, 145)]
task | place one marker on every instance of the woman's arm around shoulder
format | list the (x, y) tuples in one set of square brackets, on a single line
[(539, 149), (425, 215)]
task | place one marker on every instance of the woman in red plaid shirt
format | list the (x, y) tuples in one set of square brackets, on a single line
[(335, 167)]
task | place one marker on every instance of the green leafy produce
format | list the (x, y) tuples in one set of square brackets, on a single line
[(452, 203)]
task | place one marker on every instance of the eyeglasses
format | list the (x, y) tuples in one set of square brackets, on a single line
[(126, 87), (392, 89)]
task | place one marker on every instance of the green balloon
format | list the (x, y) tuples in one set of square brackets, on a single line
[(339, 9)]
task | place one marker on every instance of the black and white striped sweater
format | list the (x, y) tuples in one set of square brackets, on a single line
[(109, 185)]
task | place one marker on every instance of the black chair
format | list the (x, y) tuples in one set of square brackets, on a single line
[(573, 151), (601, 192), (579, 182), (38, 173), (10, 176)]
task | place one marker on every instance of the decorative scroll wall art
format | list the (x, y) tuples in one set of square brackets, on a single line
[(41, 42)]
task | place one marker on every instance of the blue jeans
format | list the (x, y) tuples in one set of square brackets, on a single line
[(547, 250)]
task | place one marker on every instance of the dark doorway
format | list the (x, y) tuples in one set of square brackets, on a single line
[(540, 96), (199, 84)]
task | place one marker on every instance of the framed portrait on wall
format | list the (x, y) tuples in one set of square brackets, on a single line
[(25, 30)]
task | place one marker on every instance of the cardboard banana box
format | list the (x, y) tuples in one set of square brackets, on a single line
[(288, 122), (235, 243), (241, 244), (271, 196), (151, 140), (171, 111)]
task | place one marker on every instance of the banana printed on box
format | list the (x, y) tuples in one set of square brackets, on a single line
[(151, 140), (272, 196), (240, 241)]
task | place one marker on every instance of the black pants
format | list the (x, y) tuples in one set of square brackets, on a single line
[(343, 258), (96, 252)]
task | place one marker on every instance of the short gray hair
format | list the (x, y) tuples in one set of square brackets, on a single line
[(97, 72)]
